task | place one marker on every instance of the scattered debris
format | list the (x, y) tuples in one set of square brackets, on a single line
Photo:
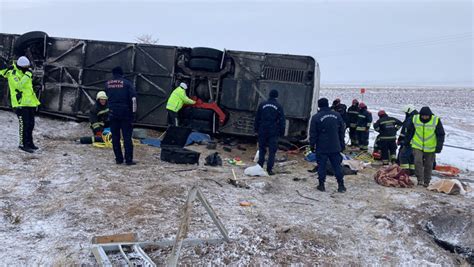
[(117, 238), (447, 170), (449, 186), (211, 145), (213, 160), (209, 179), (239, 147), (237, 183), (245, 204), (310, 198), (126, 243), (256, 170), (394, 176), (227, 149), (297, 179)]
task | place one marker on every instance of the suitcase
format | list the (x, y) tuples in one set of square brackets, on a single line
[(172, 147)]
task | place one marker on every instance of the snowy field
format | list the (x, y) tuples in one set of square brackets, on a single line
[(453, 105), (53, 202)]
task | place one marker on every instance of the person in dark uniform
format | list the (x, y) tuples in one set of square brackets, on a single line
[(122, 108), (405, 154), (387, 127), (326, 139), (353, 116), (341, 109), (363, 126), (269, 125)]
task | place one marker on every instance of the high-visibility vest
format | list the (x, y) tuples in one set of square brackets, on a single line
[(177, 99), (424, 138), (21, 87)]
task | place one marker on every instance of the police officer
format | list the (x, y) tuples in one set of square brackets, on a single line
[(387, 127), (99, 114), (23, 100), (177, 99), (269, 125), (363, 125), (326, 137), (353, 116), (426, 134), (122, 108), (405, 154)]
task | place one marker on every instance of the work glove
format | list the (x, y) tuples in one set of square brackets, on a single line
[(438, 149)]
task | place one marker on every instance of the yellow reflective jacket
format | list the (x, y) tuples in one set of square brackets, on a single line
[(177, 99), (21, 87), (424, 138)]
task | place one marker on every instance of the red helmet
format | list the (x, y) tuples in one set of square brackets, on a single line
[(381, 113), (355, 101), (362, 105)]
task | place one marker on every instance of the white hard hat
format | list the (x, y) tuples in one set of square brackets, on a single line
[(23, 62), (183, 85), (101, 95), (408, 108)]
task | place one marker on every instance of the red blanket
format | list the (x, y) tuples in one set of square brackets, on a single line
[(393, 176)]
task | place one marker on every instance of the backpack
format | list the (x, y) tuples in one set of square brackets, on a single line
[(213, 160)]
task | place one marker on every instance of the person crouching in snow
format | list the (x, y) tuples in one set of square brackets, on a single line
[(99, 114)]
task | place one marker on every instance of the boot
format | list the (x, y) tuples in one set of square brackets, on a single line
[(341, 188), (26, 149), (32, 146), (321, 187)]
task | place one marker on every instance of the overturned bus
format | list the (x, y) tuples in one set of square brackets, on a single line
[(69, 72)]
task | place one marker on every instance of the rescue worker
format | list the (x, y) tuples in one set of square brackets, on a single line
[(269, 125), (99, 114), (405, 154), (23, 100), (364, 119), (353, 116), (387, 127), (326, 138), (122, 109), (341, 109), (425, 134), (177, 99)]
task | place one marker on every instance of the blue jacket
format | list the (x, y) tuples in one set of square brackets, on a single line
[(120, 92), (270, 118), (327, 131)]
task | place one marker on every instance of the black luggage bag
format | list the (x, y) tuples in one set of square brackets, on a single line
[(172, 147)]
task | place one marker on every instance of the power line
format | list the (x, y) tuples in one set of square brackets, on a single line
[(404, 44)]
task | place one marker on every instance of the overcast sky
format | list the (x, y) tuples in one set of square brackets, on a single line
[(355, 42)]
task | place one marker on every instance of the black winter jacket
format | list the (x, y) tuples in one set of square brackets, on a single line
[(406, 122), (270, 118), (353, 116), (327, 131), (342, 109), (364, 120), (99, 117), (387, 127)]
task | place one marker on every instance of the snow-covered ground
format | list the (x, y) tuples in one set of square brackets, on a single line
[(453, 105), (54, 201)]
